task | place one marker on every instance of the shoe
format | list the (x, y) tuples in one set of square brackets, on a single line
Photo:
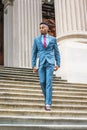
[(47, 108)]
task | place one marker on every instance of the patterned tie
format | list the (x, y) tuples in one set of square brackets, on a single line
[(44, 41)]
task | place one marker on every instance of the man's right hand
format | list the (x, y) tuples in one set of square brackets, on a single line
[(35, 70)]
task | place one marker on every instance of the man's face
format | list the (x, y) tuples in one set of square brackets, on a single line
[(44, 29)]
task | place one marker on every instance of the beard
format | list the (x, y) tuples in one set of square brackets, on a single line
[(43, 33)]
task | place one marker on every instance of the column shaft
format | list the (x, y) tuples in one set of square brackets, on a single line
[(23, 21), (27, 16), (8, 33), (71, 16)]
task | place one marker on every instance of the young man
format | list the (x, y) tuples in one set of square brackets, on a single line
[(45, 49)]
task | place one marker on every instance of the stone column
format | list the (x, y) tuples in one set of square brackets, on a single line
[(71, 17), (8, 32), (26, 16), (71, 30)]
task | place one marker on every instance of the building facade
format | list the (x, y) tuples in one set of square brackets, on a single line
[(21, 25)]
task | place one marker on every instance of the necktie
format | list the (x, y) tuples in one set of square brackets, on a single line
[(44, 41)]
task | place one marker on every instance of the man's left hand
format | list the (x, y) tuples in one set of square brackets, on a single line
[(56, 68)]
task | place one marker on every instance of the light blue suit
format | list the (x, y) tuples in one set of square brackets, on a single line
[(47, 57)]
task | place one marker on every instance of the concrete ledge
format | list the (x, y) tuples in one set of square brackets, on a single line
[(73, 59)]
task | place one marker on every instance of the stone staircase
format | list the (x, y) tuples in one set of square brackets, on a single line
[(22, 103)]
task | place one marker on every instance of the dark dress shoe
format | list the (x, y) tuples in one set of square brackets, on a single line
[(47, 108)]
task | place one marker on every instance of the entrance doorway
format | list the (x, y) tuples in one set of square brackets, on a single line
[(48, 15), (1, 33)]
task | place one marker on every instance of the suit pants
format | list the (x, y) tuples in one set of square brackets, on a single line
[(46, 75)]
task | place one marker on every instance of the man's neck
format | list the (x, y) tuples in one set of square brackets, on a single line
[(44, 34)]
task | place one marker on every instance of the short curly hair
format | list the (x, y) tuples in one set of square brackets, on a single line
[(45, 23)]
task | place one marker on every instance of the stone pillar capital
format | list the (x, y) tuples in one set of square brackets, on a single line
[(7, 2)]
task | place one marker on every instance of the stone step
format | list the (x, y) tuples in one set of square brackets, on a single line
[(56, 89), (42, 127), (16, 72), (36, 106), (28, 78), (21, 98), (24, 74), (39, 95), (41, 120), (61, 84), (41, 100), (29, 70), (15, 69), (23, 78), (35, 112), (38, 89), (23, 71)]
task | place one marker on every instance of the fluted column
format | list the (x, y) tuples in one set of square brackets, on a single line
[(27, 16), (71, 16), (23, 19), (8, 32), (71, 30)]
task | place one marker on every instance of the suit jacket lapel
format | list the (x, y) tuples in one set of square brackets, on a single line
[(49, 40), (40, 40)]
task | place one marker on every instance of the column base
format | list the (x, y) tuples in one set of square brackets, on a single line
[(73, 60)]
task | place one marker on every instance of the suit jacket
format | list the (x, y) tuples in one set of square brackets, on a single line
[(50, 53)]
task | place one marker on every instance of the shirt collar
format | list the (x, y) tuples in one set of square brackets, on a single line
[(45, 35)]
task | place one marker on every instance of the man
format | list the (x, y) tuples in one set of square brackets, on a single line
[(45, 49)]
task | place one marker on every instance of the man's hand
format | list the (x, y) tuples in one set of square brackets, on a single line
[(35, 70), (56, 68)]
